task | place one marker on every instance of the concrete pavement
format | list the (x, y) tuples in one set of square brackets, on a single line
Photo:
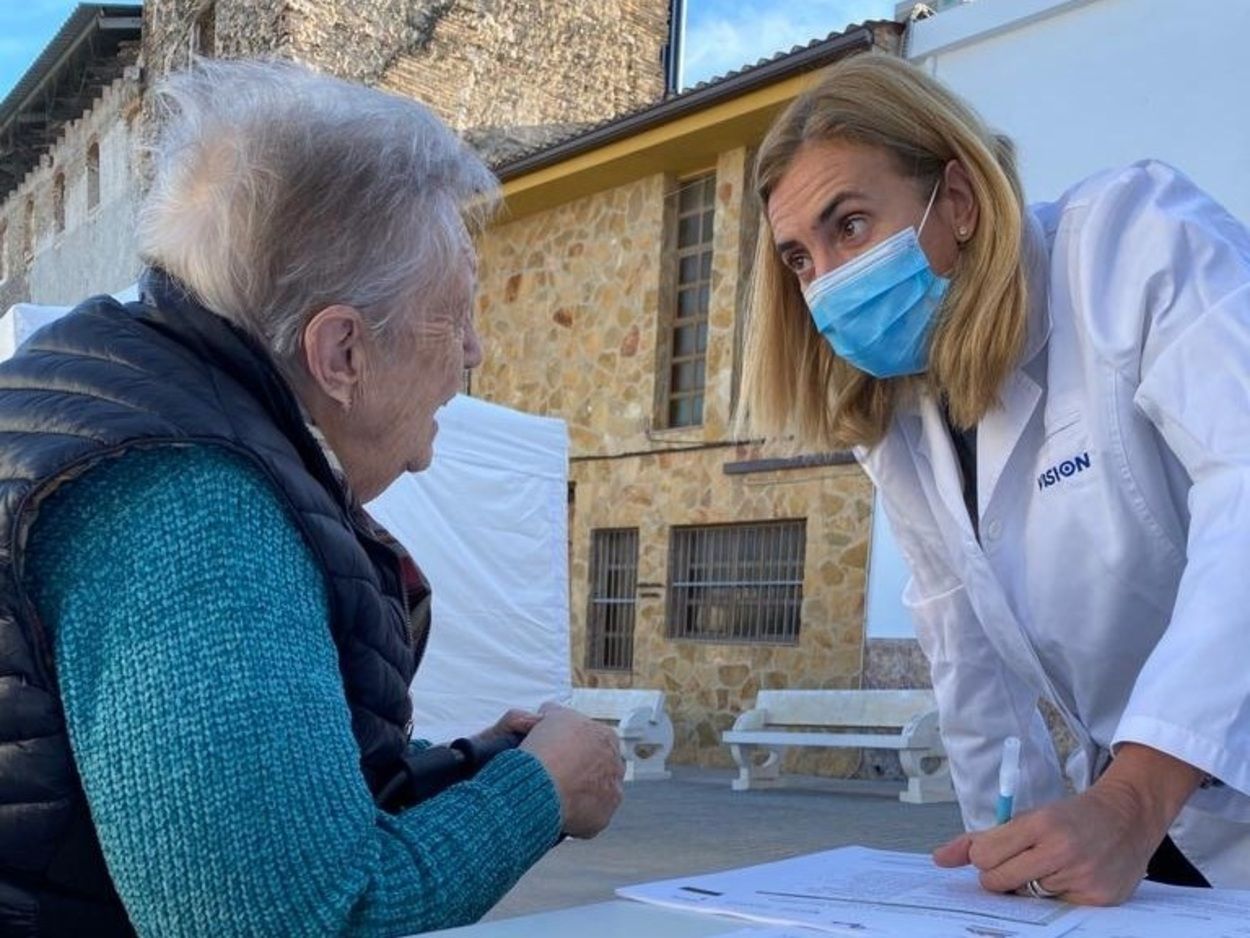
[(694, 823)]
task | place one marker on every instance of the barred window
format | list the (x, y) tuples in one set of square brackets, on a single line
[(682, 372), (613, 589), (58, 202), (737, 582), (28, 230)]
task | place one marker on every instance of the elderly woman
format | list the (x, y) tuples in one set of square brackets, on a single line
[(1054, 405), (204, 660)]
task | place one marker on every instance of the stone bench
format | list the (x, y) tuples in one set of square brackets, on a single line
[(641, 723), (902, 720)]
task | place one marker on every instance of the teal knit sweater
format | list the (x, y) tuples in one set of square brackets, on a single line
[(208, 721)]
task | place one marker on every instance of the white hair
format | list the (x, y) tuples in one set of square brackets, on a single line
[(278, 191)]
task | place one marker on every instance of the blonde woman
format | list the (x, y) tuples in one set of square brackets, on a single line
[(1054, 404)]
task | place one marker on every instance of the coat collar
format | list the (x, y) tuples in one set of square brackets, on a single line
[(921, 421), (167, 305)]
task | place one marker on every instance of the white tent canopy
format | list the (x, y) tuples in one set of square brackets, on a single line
[(21, 321), (487, 524)]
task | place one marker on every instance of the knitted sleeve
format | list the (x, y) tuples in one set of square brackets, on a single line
[(209, 725)]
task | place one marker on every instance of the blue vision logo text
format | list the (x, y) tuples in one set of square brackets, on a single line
[(1063, 470)]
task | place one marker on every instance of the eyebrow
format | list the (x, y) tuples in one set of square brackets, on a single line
[(830, 209)]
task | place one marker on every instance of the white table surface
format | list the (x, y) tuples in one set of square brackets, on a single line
[(616, 919)]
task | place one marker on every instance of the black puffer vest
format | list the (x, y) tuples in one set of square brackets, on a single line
[(105, 379)]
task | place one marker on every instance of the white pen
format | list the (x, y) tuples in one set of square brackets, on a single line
[(1008, 777)]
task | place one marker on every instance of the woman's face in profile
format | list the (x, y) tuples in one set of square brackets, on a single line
[(394, 417), (839, 198)]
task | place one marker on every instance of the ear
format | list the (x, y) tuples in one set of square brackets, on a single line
[(334, 352), (961, 202)]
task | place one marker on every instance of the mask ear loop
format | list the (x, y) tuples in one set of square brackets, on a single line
[(928, 208)]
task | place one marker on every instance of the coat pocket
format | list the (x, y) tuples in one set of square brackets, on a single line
[(1066, 460)]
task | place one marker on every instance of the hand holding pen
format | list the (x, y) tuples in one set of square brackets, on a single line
[(1008, 779), (1091, 848)]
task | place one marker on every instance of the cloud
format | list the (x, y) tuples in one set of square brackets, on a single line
[(723, 35)]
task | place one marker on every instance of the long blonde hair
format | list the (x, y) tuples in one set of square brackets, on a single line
[(793, 383)]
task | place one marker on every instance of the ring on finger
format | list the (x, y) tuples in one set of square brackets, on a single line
[(1035, 889)]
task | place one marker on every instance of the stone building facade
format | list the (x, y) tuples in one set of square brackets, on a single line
[(579, 309), (67, 186), (507, 75), (78, 206), (568, 312)]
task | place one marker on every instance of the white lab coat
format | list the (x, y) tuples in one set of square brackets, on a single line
[(1113, 484)]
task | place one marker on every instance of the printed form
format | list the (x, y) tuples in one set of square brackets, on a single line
[(871, 893), (881, 894)]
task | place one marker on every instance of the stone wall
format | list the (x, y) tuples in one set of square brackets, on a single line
[(571, 317), (506, 74), (895, 663), (512, 75), (14, 285), (95, 252), (571, 314), (708, 684), (238, 28), (567, 311)]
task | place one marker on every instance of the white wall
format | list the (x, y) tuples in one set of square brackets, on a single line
[(1082, 85), (96, 253), (887, 575)]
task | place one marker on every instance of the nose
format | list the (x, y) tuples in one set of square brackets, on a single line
[(823, 260)]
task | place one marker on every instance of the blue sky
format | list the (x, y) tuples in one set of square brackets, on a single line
[(26, 26), (721, 35)]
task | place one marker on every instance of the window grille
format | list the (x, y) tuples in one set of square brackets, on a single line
[(613, 594), (685, 363), (737, 582)]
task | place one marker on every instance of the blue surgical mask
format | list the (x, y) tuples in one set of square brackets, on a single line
[(877, 310)]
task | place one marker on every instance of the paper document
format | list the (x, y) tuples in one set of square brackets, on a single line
[(1157, 911), (871, 893), (879, 894)]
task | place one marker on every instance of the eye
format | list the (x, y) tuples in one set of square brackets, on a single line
[(853, 228), (798, 262)]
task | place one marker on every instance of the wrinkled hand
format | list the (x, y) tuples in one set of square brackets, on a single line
[(583, 760), (514, 721), (1091, 849)]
